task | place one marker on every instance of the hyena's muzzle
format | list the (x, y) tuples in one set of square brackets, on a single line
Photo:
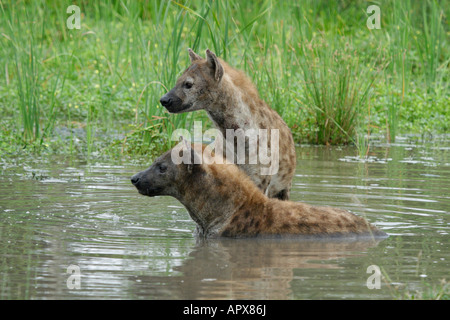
[(143, 185), (173, 103)]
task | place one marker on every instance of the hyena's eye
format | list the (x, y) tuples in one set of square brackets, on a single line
[(188, 84), (162, 168)]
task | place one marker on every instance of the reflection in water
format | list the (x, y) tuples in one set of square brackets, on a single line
[(60, 212), (246, 269)]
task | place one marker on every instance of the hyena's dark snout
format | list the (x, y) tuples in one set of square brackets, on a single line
[(139, 182), (171, 102), (136, 179), (144, 185), (166, 101)]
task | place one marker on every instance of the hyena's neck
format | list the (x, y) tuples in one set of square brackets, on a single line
[(209, 211), (213, 207), (232, 110)]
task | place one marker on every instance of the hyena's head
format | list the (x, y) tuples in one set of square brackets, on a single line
[(196, 87), (172, 174)]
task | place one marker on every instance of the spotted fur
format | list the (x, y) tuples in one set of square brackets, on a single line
[(224, 202)]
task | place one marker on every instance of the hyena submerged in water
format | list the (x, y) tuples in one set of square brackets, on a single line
[(232, 102), (224, 202)]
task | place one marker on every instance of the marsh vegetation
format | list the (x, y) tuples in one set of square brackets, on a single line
[(95, 90)]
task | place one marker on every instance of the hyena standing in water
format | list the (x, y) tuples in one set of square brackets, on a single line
[(224, 202), (233, 102)]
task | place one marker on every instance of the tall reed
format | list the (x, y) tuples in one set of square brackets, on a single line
[(429, 40), (26, 52), (26, 31), (336, 89)]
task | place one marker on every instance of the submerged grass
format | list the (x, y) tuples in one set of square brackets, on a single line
[(96, 90)]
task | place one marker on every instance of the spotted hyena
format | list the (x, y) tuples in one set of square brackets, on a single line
[(232, 102), (224, 202)]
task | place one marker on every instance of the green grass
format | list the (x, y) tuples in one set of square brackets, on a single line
[(336, 90), (95, 91)]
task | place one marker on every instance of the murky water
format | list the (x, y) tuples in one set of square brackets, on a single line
[(60, 214)]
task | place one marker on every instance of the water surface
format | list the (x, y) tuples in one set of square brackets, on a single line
[(59, 212)]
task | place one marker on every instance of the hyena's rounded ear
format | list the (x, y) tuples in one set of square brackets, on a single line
[(193, 55), (214, 65)]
